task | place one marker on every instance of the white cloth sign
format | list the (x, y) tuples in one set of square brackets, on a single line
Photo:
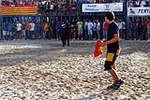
[(138, 11), (104, 7)]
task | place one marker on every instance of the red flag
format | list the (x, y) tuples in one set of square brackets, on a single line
[(98, 48)]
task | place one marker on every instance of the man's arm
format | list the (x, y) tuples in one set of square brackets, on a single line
[(116, 38)]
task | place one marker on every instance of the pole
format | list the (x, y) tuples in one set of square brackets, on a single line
[(127, 18)]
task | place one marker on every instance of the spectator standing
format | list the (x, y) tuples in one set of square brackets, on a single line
[(123, 29), (88, 1), (19, 29), (94, 30), (47, 6), (14, 31), (79, 4), (45, 29), (73, 32), (32, 30), (89, 27), (98, 27), (85, 30), (142, 3), (53, 27), (41, 7), (120, 26), (137, 3), (23, 29), (148, 3), (148, 31), (4, 29), (0, 33), (9, 30), (139, 30), (58, 26), (48, 32), (74, 24), (80, 29), (130, 30), (39, 30), (105, 28), (134, 32), (144, 25), (27, 30)]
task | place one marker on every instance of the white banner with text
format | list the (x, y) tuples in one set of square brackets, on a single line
[(138, 11), (115, 7)]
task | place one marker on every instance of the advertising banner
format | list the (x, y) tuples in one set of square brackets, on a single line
[(23, 10), (138, 11), (115, 7)]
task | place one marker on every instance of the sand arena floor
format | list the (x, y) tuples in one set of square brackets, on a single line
[(44, 70)]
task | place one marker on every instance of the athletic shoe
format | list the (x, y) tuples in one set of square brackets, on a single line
[(116, 85)]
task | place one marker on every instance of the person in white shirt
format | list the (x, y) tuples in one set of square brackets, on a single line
[(94, 30), (137, 3), (89, 27), (85, 29), (98, 27), (19, 29), (142, 3), (120, 28), (32, 30), (123, 29)]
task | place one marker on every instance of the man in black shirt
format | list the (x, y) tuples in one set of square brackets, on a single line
[(113, 50)]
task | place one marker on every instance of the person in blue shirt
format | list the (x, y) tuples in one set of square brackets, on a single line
[(58, 26), (9, 30)]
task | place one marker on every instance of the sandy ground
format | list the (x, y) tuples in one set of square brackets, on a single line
[(44, 70)]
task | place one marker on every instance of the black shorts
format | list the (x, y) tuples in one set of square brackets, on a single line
[(110, 59)]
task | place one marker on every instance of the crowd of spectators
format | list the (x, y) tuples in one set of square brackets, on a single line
[(137, 29), (57, 7), (68, 4), (17, 3), (18, 30), (139, 3), (100, 1)]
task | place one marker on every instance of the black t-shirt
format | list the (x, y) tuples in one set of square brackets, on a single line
[(112, 29)]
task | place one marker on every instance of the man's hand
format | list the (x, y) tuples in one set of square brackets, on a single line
[(103, 43), (116, 37)]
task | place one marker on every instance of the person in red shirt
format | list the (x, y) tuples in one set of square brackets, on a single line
[(144, 26), (105, 28), (7, 3), (27, 29)]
